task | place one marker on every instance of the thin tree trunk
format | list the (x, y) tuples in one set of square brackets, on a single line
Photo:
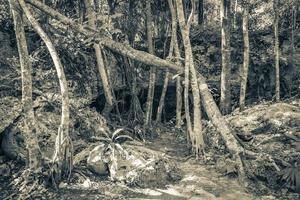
[(30, 131), (151, 87), (174, 49), (234, 14), (201, 12), (294, 16), (294, 20), (244, 70), (80, 11), (62, 153), (276, 50), (196, 134), (170, 56), (178, 102), (135, 105), (162, 97), (89, 4), (225, 101)]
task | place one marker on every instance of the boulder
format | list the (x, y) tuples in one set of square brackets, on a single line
[(96, 161)]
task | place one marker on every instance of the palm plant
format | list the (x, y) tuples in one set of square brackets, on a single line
[(291, 176), (112, 148)]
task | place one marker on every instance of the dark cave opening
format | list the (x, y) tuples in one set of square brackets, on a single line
[(123, 98)]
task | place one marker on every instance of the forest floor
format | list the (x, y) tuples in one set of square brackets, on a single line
[(198, 181), (272, 128)]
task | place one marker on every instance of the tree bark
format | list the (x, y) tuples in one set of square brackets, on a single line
[(244, 69), (162, 97), (30, 131), (174, 51), (89, 4), (221, 124), (152, 76), (276, 50), (170, 57), (201, 12), (225, 101), (294, 20), (178, 102), (196, 134), (62, 151)]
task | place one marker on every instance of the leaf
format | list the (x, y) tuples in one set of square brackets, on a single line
[(116, 132), (102, 139), (123, 136)]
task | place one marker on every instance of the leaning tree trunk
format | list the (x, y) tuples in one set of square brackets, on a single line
[(214, 114), (63, 151), (196, 135), (151, 87), (225, 101), (208, 102), (30, 131), (162, 97), (276, 50), (244, 69), (89, 4)]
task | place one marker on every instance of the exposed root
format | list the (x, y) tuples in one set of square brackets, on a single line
[(62, 162)]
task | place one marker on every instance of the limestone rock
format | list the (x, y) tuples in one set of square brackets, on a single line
[(96, 161)]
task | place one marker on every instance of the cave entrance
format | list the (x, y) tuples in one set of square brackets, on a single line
[(123, 97)]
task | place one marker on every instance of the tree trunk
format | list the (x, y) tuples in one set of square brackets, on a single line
[(234, 14), (244, 69), (221, 124), (151, 87), (225, 101), (169, 57), (294, 20), (201, 12), (62, 153), (135, 106), (196, 135), (89, 4), (174, 51), (30, 131), (276, 50), (162, 97)]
